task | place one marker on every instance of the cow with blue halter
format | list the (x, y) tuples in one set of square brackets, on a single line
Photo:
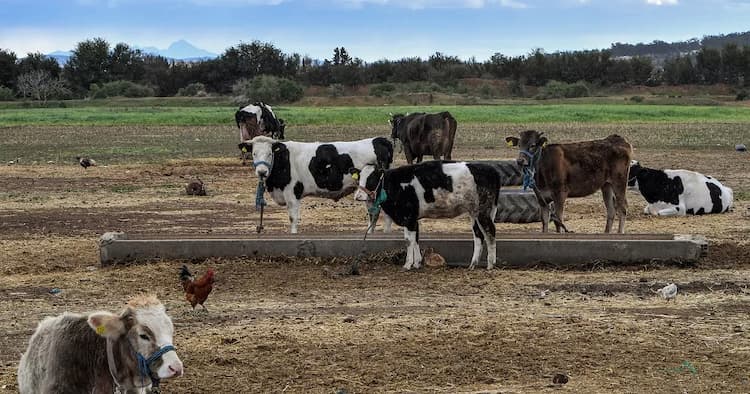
[(575, 169), (101, 352), (292, 170)]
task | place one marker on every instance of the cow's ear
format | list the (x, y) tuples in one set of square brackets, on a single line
[(107, 324), (245, 147), (512, 141), (354, 172), (543, 141)]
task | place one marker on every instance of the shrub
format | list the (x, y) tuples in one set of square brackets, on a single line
[(6, 94), (267, 88), (336, 90), (742, 95), (195, 89), (382, 89), (556, 89), (636, 99), (120, 89), (486, 91), (517, 88)]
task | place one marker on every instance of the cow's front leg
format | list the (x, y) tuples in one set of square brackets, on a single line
[(387, 223), (413, 255), (544, 214), (292, 208)]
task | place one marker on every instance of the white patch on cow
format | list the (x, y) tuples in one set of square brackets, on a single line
[(696, 195), (155, 318)]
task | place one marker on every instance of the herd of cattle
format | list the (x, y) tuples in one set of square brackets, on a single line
[(132, 351), (446, 189)]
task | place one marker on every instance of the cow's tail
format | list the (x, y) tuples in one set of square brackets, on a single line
[(450, 126)]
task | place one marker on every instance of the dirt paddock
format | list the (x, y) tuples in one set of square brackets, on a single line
[(296, 325)]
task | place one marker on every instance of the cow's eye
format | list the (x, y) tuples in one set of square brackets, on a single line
[(144, 337)]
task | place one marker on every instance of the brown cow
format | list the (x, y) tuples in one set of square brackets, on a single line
[(425, 134), (575, 169)]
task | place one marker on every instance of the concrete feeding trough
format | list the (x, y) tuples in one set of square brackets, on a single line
[(515, 250)]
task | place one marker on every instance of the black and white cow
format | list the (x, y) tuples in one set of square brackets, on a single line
[(679, 192), (257, 119), (436, 189), (292, 170)]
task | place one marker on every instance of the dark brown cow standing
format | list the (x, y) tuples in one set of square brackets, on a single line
[(425, 134), (577, 169)]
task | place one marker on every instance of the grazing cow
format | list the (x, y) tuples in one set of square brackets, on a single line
[(258, 119), (425, 134), (101, 352), (436, 189), (292, 170), (578, 169), (679, 192)]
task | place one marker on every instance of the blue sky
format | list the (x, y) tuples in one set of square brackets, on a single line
[(369, 29)]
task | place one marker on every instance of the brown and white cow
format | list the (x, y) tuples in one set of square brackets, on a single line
[(101, 352), (576, 169), (425, 134)]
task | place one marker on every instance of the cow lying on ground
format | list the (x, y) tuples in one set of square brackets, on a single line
[(292, 170), (100, 352), (436, 189), (258, 119), (679, 192), (576, 169), (425, 134)]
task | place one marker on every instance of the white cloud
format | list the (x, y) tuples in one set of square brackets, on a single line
[(661, 2)]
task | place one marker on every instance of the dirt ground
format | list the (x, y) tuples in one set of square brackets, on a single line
[(294, 325)]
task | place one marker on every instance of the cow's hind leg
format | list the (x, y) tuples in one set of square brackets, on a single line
[(609, 203), (559, 210), (620, 188), (478, 242), (413, 255), (487, 226)]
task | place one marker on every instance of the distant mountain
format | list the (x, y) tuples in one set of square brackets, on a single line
[(178, 50)]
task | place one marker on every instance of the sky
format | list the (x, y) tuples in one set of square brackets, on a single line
[(368, 29)]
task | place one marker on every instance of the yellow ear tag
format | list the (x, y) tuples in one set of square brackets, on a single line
[(244, 150), (100, 330), (509, 143), (355, 176)]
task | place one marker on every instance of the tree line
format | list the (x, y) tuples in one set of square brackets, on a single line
[(97, 69)]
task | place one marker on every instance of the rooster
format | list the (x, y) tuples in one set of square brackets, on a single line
[(196, 291)]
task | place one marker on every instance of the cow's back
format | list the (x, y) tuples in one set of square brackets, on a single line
[(702, 193), (64, 356), (587, 164)]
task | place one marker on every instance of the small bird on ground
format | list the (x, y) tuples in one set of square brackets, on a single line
[(740, 148), (196, 290), (16, 161), (668, 292), (85, 162)]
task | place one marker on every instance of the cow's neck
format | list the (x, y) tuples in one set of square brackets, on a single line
[(123, 366)]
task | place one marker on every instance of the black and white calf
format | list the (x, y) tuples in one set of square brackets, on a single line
[(436, 189), (679, 192), (292, 170)]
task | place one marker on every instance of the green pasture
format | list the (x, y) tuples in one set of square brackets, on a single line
[(214, 115)]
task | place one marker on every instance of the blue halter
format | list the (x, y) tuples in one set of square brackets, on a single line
[(261, 162), (529, 171), (144, 364)]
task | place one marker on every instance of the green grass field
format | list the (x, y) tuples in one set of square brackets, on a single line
[(184, 115)]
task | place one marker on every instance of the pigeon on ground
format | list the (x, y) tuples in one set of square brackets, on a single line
[(668, 292), (85, 162), (740, 148)]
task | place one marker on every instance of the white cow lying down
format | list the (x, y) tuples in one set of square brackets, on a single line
[(679, 192)]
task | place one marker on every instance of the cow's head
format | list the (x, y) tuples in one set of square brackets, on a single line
[(368, 179), (144, 324), (635, 170), (248, 124), (530, 144), (264, 150), (394, 121)]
